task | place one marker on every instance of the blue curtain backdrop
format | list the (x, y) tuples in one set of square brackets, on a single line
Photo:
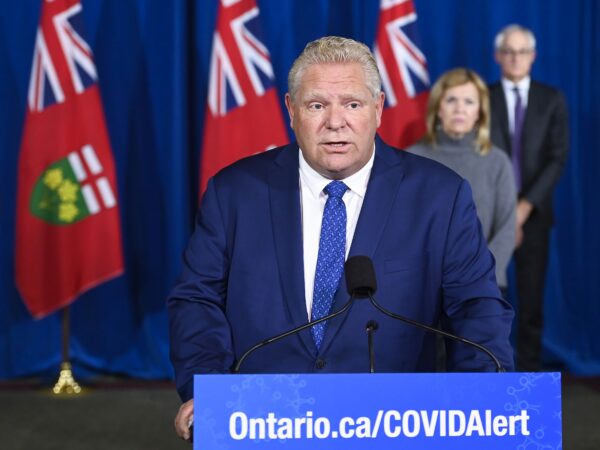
[(152, 60)]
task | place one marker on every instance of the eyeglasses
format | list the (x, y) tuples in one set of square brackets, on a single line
[(515, 53)]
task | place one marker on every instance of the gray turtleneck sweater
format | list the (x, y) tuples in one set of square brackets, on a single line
[(493, 184)]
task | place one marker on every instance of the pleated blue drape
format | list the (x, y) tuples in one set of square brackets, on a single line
[(152, 60)]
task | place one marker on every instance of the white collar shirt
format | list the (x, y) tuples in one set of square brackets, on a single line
[(312, 200)]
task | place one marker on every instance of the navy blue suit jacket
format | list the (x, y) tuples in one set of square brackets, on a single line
[(243, 274), (545, 142)]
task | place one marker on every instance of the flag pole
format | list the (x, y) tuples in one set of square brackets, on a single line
[(66, 384)]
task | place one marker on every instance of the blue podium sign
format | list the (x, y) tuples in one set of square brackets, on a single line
[(378, 411)]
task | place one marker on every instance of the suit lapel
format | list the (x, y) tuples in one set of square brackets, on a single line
[(502, 114), (385, 179), (284, 196), (533, 104), (384, 182)]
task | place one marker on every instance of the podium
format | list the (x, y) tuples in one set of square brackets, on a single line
[(378, 411)]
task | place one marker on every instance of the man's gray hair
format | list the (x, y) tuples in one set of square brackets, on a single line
[(499, 41), (334, 50)]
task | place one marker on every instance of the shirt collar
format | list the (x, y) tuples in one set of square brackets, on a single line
[(315, 182), (522, 85)]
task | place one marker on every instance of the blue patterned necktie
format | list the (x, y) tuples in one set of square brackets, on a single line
[(330, 261), (517, 137)]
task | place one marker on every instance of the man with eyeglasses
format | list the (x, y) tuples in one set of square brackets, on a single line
[(530, 122)]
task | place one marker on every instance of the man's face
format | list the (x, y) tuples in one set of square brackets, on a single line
[(516, 56), (335, 117)]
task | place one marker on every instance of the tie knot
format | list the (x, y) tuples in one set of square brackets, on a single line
[(516, 91), (336, 189)]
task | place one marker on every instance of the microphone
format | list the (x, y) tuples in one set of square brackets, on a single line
[(360, 276), (361, 282), (371, 327)]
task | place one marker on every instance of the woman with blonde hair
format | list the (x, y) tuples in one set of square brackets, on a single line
[(458, 136)]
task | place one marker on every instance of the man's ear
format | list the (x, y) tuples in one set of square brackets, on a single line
[(290, 108), (380, 102)]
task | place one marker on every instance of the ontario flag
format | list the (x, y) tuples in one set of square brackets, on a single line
[(68, 236), (243, 115), (404, 74)]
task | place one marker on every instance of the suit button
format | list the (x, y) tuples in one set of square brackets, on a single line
[(320, 363)]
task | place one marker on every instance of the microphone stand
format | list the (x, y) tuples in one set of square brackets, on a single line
[(346, 307), (371, 327), (499, 368)]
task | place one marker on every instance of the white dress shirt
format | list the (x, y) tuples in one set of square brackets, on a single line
[(509, 95), (312, 201)]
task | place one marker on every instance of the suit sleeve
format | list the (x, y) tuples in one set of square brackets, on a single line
[(199, 331), (556, 147), (473, 307)]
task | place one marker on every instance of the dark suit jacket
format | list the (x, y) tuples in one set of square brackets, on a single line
[(243, 274), (545, 141)]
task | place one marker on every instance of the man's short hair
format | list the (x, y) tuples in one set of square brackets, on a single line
[(499, 40), (335, 50)]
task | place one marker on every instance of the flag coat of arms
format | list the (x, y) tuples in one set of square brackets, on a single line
[(68, 236), (243, 115), (404, 74)]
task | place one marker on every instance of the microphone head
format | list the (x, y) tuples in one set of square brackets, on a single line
[(360, 276), (372, 325)]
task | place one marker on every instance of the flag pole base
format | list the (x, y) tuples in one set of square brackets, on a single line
[(66, 384)]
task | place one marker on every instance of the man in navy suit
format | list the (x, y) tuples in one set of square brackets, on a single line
[(257, 252), (530, 123)]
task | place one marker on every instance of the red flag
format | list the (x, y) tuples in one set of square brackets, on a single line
[(68, 236), (403, 69), (243, 115)]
